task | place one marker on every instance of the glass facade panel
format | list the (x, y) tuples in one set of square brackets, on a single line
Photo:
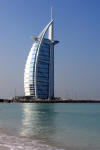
[(43, 70)]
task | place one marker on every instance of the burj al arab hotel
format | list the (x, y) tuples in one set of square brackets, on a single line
[(39, 68)]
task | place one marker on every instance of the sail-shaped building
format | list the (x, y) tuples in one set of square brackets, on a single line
[(39, 68)]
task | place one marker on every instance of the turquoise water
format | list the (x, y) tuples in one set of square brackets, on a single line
[(50, 126)]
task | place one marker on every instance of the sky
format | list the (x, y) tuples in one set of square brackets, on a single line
[(77, 56)]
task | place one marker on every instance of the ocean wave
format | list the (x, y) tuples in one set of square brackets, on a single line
[(8, 142)]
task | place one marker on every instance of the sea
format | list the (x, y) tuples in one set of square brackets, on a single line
[(49, 126)]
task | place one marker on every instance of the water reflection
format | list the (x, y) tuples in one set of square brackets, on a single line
[(38, 121)]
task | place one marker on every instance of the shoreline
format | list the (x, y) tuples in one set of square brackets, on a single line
[(14, 142), (46, 101)]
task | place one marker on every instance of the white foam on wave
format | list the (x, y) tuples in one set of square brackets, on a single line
[(21, 143)]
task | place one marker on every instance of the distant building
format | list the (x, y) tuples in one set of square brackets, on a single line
[(39, 68)]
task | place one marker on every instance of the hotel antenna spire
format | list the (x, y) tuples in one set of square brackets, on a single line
[(50, 33), (51, 13)]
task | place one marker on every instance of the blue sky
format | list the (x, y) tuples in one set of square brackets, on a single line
[(77, 56)]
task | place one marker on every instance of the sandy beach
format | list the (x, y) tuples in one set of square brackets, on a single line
[(4, 148)]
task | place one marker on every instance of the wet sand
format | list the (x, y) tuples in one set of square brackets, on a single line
[(4, 148)]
